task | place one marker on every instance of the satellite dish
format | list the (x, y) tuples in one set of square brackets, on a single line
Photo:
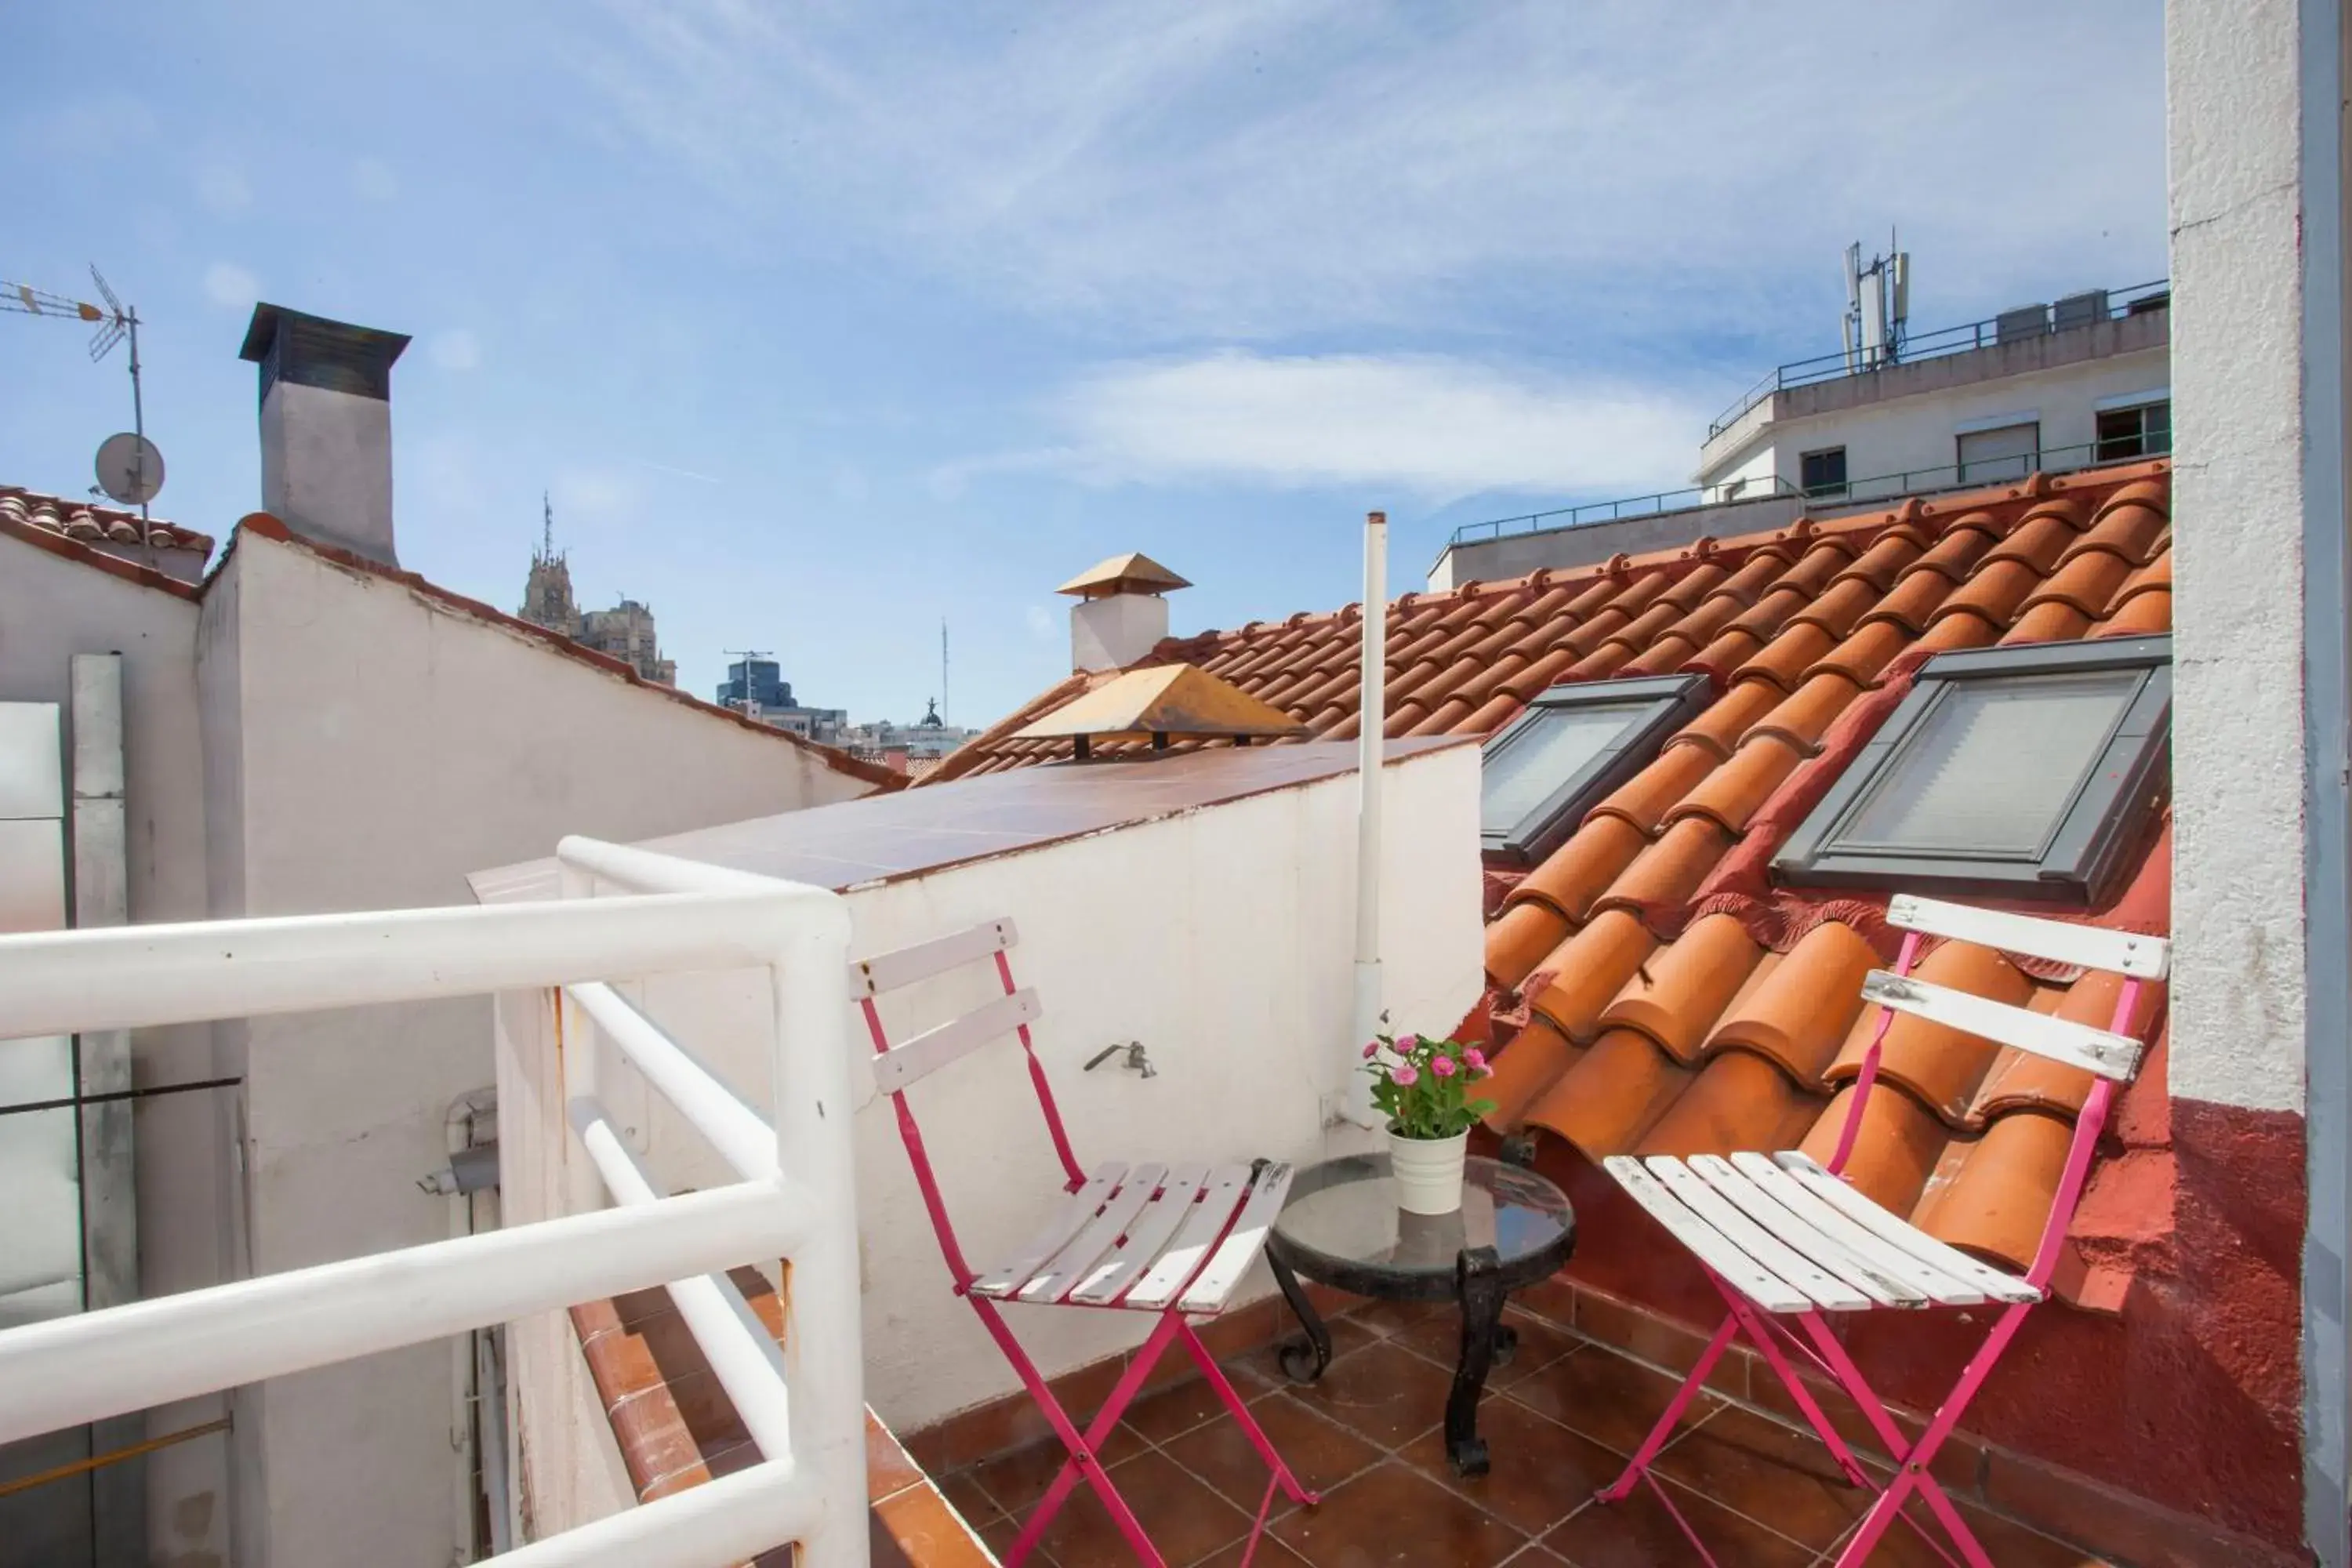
[(130, 468)]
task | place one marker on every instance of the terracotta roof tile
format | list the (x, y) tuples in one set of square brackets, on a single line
[(1585, 972), (1799, 1007), (1674, 998)]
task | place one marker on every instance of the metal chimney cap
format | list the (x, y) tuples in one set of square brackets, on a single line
[(313, 351)]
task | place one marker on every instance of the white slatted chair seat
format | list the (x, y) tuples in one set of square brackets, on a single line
[(1782, 1233), (1791, 1237), (1146, 1238)]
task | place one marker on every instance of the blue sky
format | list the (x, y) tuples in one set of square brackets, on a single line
[(823, 322)]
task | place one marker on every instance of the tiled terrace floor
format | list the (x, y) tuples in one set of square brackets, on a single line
[(1559, 1419)]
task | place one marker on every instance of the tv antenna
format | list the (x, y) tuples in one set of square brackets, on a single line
[(115, 321), (1877, 306), (751, 708)]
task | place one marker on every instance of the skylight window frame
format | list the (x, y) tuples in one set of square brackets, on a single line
[(2083, 851), (1670, 702)]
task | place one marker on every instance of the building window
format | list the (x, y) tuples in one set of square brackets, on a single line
[(1822, 473), (2008, 452), (1572, 746), (2009, 771), (2144, 430)]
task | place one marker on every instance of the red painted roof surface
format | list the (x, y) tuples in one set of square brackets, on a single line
[(1657, 993)]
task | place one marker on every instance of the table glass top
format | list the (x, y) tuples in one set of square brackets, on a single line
[(1346, 1209)]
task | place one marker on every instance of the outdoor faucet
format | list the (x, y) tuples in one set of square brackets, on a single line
[(1137, 1062)]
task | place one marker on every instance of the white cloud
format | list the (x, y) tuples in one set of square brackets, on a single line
[(373, 179), (457, 348), (231, 285), (1235, 168), (1434, 428), (222, 189), (1041, 622)]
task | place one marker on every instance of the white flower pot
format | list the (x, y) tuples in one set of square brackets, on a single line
[(1428, 1171)]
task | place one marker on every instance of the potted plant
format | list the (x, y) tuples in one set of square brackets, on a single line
[(1422, 1087)]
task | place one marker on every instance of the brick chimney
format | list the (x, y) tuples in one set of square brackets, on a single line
[(326, 428), (1121, 613)]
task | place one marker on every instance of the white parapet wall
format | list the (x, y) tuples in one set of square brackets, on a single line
[(1221, 938)]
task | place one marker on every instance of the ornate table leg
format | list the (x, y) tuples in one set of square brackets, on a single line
[(1305, 1355), (1483, 1334)]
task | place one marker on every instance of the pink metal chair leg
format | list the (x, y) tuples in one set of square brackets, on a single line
[(1234, 1406), (1661, 1434), (1082, 1448)]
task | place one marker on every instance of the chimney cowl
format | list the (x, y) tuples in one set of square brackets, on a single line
[(326, 426)]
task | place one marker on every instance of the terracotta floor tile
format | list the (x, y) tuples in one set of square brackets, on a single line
[(1259, 1362), (1014, 1481), (1385, 1317), (1177, 1409), (1438, 1338), (1541, 1473), (1640, 1533), (1185, 1520), (1773, 1475), (1321, 1452), (1270, 1553), (1001, 1532), (1610, 1399), (1382, 1392), (968, 1496), (2009, 1545), (1395, 1517)]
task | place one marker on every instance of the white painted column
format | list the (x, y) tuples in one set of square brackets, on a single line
[(1369, 1016)]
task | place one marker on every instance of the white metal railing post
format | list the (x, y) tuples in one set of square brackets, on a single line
[(576, 1035), (824, 1350)]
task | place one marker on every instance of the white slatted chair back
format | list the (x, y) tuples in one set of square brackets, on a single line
[(2080, 1046), (904, 1065), (2056, 941)]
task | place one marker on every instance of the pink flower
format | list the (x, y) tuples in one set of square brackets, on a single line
[(1408, 1042), (1405, 1075), (1442, 1066), (1372, 1050), (1475, 1060)]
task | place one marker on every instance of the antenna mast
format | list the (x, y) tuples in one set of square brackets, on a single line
[(1878, 307), (115, 321), (546, 528)]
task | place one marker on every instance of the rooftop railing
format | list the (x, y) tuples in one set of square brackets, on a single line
[(802, 1401), (1877, 486), (2010, 326)]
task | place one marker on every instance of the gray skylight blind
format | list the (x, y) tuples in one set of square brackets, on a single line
[(1522, 776), (1994, 768)]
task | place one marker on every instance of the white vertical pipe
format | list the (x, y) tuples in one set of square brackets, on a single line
[(1368, 1016), (824, 1350)]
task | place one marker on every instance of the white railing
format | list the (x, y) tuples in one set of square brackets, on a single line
[(803, 1403)]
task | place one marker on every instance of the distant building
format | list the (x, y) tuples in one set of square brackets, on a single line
[(626, 631), (911, 749), (756, 689)]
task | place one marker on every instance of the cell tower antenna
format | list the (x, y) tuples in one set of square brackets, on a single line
[(114, 322)]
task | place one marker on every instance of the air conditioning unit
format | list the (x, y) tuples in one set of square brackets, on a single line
[(2081, 310), (2025, 321)]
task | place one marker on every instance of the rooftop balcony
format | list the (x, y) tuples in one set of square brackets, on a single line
[(713, 1259)]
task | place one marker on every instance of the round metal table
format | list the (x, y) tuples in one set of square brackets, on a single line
[(1341, 1228)]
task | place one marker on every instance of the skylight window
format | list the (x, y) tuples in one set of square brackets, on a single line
[(2024, 772), (1572, 746)]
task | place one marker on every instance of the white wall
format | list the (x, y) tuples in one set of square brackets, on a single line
[(1220, 939), (371, 746), (2237, 501), (1914, 434), (51, 609)]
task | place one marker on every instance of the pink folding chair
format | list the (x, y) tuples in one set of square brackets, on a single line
[(1786, 1241), (1173, 1241)]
